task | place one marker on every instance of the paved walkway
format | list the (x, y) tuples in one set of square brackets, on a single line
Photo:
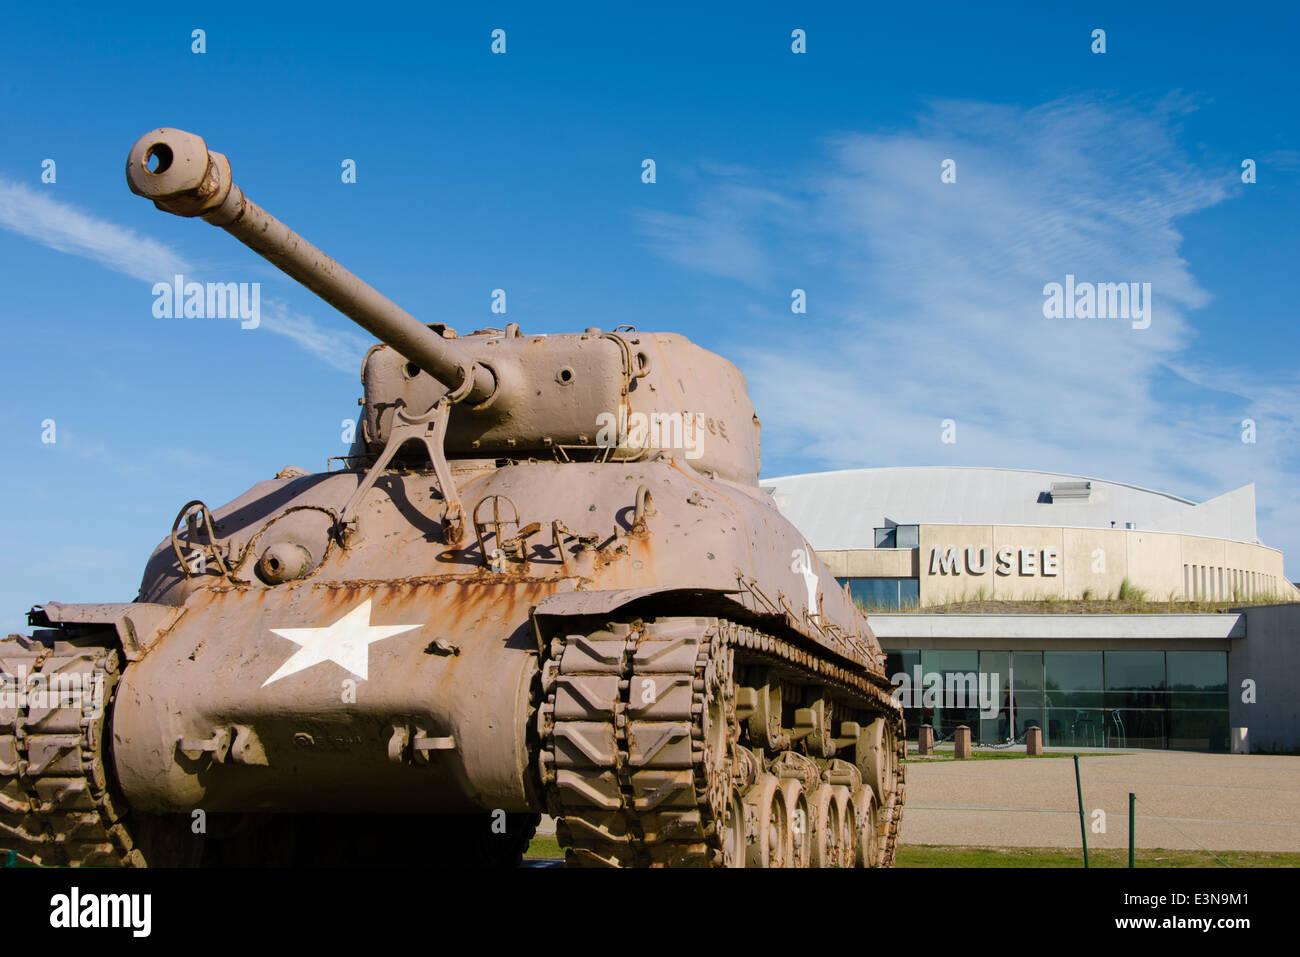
[(1185, 800)]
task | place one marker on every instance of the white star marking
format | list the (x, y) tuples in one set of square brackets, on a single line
[(346, 643)]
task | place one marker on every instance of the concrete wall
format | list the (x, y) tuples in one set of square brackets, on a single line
[(1014, 562), (1096, 561), (872, 563), (1270, 657), (1154, 563)]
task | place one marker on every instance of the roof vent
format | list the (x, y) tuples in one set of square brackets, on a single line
[(1073, 492)]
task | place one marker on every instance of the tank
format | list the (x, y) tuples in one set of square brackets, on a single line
[(544, 580)]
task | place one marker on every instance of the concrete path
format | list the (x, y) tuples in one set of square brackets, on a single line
[(1185, 800)]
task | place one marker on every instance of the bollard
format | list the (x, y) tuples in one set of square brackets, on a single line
[(1083, 828), (925, 740), (1132, 818), (961, 742), (1034, 740)]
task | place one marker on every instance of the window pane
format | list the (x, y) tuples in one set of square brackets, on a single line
[(1029, 670), (1199, 730), (1073, 670), (1029, 716), (1074, 699), (994, 667), (1135, 670), (1135, 728), (1203, 671), (1068, 727), (1135, 699), (947, 714), (909, 590), (883, 593), (1197, 701), (904, 663), (996, 663), (944, 661), (901, 662), (874, 592)]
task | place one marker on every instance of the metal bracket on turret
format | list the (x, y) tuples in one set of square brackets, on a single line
[(197, 561), (430, 429)]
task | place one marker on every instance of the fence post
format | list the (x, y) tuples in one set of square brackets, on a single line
[(1083, 828), (1132, 798)]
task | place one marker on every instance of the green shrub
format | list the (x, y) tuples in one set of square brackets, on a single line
[(1130, 592)]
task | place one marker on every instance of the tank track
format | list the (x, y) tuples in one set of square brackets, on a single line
[(56, 805), (640, 754)]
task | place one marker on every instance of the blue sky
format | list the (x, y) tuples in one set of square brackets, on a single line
[(775, 171)]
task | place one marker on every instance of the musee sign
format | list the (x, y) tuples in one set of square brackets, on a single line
[(1024, 561)]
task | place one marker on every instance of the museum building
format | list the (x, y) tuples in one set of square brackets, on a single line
[(903, 539)]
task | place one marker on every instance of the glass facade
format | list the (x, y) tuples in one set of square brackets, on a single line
[(879, 594), (1119, 699)]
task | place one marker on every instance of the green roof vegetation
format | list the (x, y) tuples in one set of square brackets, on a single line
[(1132, 601)]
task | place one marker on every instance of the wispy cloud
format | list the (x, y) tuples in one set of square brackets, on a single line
[(63, 227), (925, 301), (341, 349), (1286, 160), (96, 452), (722, 237)]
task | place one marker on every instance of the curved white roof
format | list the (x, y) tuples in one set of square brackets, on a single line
[(840, 510)]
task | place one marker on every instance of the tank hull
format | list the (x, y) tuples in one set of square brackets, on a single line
[(327, 690)]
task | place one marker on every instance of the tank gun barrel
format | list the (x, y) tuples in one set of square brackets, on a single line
[(182, 176)]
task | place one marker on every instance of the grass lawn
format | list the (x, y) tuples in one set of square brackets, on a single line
[(931, 855), (928, 855), (544, 846)]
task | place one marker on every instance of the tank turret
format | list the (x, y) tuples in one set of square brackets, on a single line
[(598, 395)]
